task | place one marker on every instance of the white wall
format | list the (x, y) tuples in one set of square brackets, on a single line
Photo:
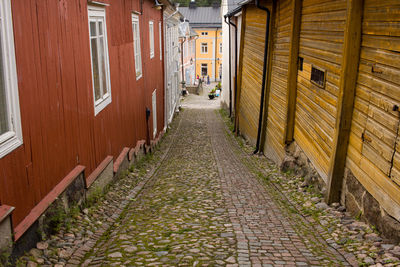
[(225, 58), (171, 60)]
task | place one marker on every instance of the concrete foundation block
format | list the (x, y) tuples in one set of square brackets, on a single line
[(102, 180), (6, 230)]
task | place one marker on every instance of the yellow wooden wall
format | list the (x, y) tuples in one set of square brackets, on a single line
[(321, 42), (253, 58), (375, 124), (274, 146)]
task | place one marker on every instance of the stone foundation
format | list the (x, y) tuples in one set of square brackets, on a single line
[(357, 200), (297, 161), (361, 203)]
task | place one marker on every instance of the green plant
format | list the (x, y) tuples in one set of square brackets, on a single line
[(55, 219), (359, 215), (5, 258)]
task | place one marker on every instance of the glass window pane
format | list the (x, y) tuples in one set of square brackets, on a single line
[(4, 127), (93, 30), (100, 27), (95, 66), (102, 64)]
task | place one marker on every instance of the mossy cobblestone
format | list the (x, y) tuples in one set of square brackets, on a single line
[(179, 218), (203, 199)]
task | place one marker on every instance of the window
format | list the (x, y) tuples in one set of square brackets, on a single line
[(151, 38), (160, 39), (204, 69), (136, 46), (99, 55), (10, 120), (220, 48), (318, 76), (204, 33), (204, 48), (154, 105)]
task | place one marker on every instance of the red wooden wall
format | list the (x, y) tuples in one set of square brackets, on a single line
[(60, 129)]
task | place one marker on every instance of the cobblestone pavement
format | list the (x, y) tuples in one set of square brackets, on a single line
[(203, 199), (203, 207), (202, 101), (179, 218)]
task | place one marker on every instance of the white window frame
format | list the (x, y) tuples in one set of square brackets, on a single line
[(136, 47), (204, 48), (94, 14), (160, 38), (13, 138), (151, 38), (220, 48), (154, 107)]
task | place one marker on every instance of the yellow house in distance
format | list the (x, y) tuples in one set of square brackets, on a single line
[(207, 24)]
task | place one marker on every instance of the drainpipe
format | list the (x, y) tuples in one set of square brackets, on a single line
[(234, 25), (260, 118), (183, 77), (230, 72)]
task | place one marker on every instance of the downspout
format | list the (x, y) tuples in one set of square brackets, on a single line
[(234, 25), (183, 77), (260, 117), (230, 72)]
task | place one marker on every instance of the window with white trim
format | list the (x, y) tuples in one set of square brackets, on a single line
[(220, 48), (136, 46), (204, 48), (159, 38), (99, 56), (10, 120), (151, 38)]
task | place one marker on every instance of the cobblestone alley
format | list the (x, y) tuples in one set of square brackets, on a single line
[(198, 201)]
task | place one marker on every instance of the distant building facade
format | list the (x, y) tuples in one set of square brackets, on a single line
[(187, 39), (206, 22), (172, 79)]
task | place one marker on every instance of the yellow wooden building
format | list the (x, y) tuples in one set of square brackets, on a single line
[(331, 93), (206, 22)]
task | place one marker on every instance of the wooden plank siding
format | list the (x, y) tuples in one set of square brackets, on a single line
[(374, 137), (251, 71), (60, 130), (274, 146), (321, 44)]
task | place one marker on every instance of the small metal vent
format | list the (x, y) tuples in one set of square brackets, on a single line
[(300, 67), (318, 76)]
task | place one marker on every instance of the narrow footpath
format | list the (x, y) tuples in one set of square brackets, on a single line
[(203, 207)]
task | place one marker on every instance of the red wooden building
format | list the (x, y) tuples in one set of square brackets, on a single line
[(77, 77)]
